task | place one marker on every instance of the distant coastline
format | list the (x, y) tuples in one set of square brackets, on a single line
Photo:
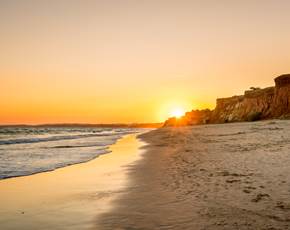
[(113, 125)]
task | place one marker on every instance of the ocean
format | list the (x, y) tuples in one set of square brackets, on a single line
[(30, 150)]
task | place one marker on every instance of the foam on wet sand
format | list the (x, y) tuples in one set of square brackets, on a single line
[(68, 198)]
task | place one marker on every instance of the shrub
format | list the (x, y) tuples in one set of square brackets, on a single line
[(255, 116)]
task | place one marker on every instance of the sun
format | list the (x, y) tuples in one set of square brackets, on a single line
[(177, 112), (173, 108)]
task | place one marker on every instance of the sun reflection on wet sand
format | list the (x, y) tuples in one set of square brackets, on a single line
[(70, 197)]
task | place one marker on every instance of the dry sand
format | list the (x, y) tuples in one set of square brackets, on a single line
[(229, 176)]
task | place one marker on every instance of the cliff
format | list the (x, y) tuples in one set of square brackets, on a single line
[(281, 101), (255, 104)]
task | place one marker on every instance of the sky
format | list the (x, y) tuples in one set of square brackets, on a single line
[(111, 61)]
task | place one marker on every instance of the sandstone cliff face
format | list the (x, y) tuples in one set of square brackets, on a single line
[(271, 102), (255, 104), (281, 101)]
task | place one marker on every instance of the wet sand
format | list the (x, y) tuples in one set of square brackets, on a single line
[(228, 176), (68, 198)]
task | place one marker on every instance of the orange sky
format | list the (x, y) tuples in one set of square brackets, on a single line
[(134, 61)]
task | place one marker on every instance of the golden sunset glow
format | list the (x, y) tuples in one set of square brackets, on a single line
[(104, 62), (178, 112), (144, 114), (175, 107)]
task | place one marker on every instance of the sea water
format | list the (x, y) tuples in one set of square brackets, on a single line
[(29, 150)]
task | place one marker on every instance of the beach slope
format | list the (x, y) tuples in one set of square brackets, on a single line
[(227, 176)]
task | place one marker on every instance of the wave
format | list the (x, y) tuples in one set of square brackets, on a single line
[(5, 174), (60, 147), (39, 131), (58, 138)]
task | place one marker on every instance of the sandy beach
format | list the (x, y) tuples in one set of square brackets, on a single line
[(68, 198), (145, 115), (227, 176)]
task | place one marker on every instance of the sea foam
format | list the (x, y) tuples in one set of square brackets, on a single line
[(26, 151)]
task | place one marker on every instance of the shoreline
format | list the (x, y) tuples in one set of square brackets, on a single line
[(31, 150), (71, 197), (68, 165), (218, 176)]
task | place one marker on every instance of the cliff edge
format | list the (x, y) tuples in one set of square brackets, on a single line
[(255, 104)]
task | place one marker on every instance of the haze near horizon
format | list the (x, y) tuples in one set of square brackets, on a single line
[(134, 61)]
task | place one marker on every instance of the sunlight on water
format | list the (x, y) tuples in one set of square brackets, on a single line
[(25, 151)]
